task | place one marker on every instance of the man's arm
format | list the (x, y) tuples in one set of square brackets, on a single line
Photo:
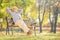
[(9, 10), (20, 11)]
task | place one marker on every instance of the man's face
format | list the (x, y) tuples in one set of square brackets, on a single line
[(15, 9)]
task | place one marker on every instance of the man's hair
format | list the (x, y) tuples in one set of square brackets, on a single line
[(14, 7)]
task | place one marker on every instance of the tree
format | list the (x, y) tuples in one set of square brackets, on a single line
[(41, 20), (50, 15), (55, 14)]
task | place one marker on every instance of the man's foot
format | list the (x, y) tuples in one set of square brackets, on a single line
[(29, 32)]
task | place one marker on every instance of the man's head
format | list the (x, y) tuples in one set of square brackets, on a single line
[(15, 9)]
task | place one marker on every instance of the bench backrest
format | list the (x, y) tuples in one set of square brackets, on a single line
[(9, 21)]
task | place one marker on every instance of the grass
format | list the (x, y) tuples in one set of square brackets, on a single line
[(22, 36)]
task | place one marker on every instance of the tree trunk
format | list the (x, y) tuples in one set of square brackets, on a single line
[(41, 20), (51, 22), (55, 18)]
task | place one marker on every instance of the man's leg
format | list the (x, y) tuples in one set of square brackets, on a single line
[(23, 26)]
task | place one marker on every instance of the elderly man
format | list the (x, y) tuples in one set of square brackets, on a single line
[(16, 15)]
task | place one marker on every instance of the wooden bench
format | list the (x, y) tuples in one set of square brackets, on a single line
[(10, 23)]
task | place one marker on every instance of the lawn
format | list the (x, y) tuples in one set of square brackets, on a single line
[(22, 36)]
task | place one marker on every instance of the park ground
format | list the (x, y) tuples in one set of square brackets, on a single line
[(22, 36)]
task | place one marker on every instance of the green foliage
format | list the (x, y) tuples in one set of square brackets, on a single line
[(10, 3), (28, 6)]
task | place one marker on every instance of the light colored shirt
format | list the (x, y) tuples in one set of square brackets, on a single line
[(15, 15)]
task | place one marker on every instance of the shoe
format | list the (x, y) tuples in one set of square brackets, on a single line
[(29, 32)]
